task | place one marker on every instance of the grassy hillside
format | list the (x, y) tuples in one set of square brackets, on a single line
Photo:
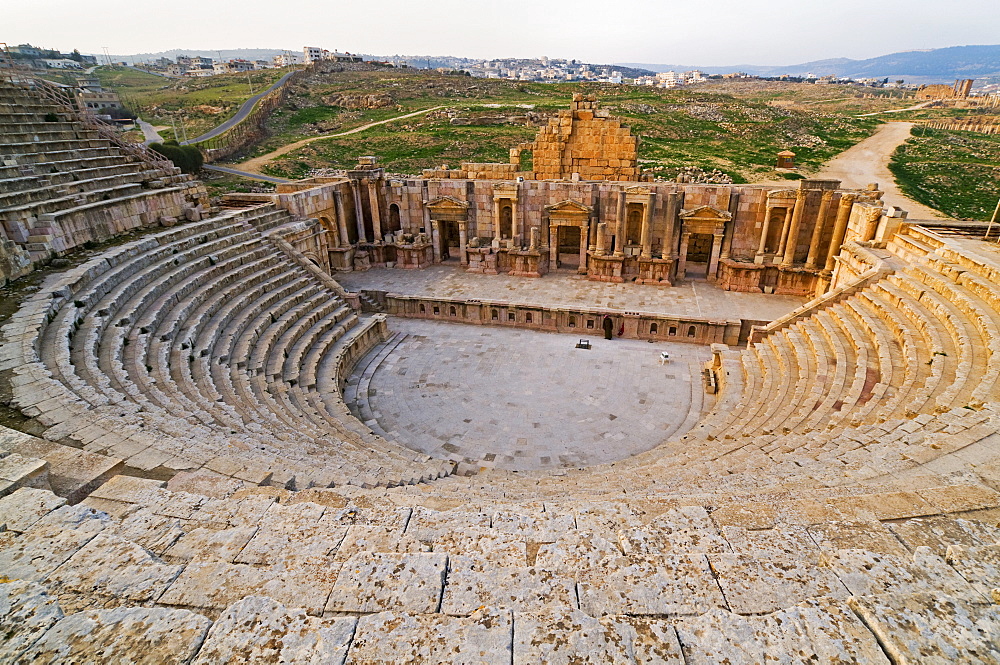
[(736, 127), (197, 104), (954, 171)]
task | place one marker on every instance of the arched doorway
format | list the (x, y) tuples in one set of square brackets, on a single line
[(506, 222), (609, 327), (393, 223), (698, 254), (568, 238)]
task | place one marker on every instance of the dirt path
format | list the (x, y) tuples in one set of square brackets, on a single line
[(254, 165), (867, 162)]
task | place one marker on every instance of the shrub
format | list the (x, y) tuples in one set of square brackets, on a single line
[(185, 157)]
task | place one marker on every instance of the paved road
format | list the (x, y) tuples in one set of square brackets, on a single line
[(254, 165), (150, 134), (241, 114), (252, 176), (867, 162)]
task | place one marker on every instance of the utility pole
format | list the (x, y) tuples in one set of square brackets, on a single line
[(250, 83), (107, 56), (993, 220), (174, 125)]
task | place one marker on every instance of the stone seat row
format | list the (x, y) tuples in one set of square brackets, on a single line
[(40, 188), (99, 347), (573, 579)]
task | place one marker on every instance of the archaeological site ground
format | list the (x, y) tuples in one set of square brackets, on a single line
[(595, 384)]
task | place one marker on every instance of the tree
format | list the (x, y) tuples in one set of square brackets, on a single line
[(185, 157), (75, 55)]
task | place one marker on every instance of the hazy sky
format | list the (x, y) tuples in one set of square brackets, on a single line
[(695, 32)]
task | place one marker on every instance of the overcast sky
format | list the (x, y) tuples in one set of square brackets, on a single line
[(694, 32)]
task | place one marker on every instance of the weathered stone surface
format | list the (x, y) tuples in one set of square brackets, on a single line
[(686, 530), (871, 536), (154, 532), (50, 542), (26, 612), (571, 637), (365, 538), (500, 549), (21, 509), (809, 633), (759, 586), (576, 553), (929, 629), (379, 581), (122, 635), (258, 629), (867, 573), (210, 545), (979, 565), (790, 540), (390, 638), (658, 586), (939, 533), (114, 568), (475, 583), (428, 525)]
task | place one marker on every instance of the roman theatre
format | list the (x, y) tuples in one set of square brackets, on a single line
[(545, 411)]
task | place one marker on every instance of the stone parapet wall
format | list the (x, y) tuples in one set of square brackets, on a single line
[(583, 321)]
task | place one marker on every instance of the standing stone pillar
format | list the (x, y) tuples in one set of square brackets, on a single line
[(436, 240), (762, 246), (359, 215), (553, 245), (670, 234), (620, 225), (376, 216), (602, 239), (793, 230), (713, 261), (463, 233), (839, 229), (536, 235), (517, 224), (645, 236), (683, 256), (345, 240), (592, 227), (584, 233), (496, 219), (785, 224), (824, 210)]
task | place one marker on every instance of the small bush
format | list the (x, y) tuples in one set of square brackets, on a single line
[(185, 157)]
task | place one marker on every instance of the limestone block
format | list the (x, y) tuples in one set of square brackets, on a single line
[(541, 527), (929, 629), (649, 586), (571, 637), (576, 552), (203, 544), (812, 632), (154, 532), (685, 530), (26, 612), (781, 541), (427, 525), (50, 542), (368, 510), (379, 581), (939, 533), (258, 629), (872, 536), (867, 573), (960, 498), (110, 566), (473, 583), (979, 565), (122, 635), (360, 538), (389, 638), (23, 508), (759, 586)]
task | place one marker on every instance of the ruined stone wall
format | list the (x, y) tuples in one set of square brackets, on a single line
[(584, 140)]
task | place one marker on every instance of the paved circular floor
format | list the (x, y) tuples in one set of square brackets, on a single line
[(520, 399)]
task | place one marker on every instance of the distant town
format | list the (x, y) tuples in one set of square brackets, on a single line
[(543, 70)]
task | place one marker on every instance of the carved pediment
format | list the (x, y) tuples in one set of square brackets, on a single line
[(569, 207), (781, 194), (639, 190), (505, 189), (447, 204), (707, 213)]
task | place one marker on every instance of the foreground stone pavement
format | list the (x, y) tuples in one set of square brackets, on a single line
[(196, 489)]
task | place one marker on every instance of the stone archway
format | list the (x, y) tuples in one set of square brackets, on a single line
[(564, 215)]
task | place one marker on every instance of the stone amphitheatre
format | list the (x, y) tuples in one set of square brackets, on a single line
[(254, 431)]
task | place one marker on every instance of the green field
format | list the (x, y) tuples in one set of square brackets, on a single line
[(195, 105), (956, 172), (736, 127)]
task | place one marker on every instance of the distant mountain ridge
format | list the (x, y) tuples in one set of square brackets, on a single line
[(945, 64)]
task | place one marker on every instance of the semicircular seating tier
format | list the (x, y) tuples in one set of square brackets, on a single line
[(197, 491)]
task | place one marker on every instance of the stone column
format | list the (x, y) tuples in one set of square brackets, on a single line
[(620, 225), (359, 215), (839, 229), (535, 234), (793, 230), (730, 228), (553, 246), (497, 205), (824, 209), (872, 218), (602, 239), (584, 232), (516, 223), (762, 246), (787, 222), (670, 235), (645, 236), (436, 240), (683, 255), (713, 261), (592, 227), (463, 257), (376, 216), (345, 240)]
